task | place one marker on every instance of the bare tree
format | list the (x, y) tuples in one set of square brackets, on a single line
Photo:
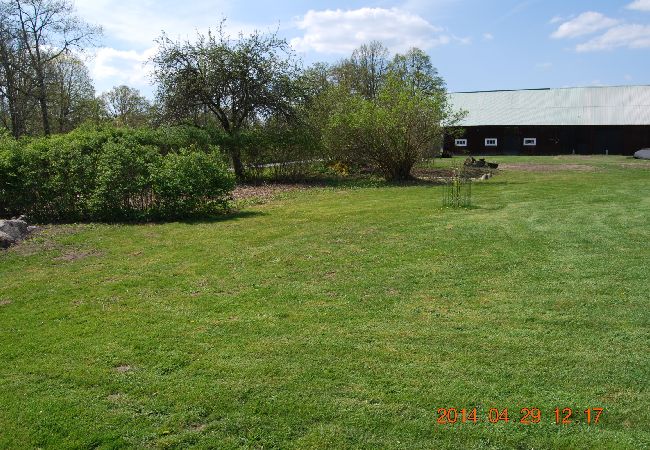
[(15, 87), (47, 30), (364, 71)]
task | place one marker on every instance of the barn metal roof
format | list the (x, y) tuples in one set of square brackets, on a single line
[(614, 105)]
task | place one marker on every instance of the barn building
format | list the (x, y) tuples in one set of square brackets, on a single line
[(587, 120)]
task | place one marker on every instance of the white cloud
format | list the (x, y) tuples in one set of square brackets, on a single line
[(141, 22), (488, 36), (630, 36), (639, 5), (544, 65), (340, 32), (131, 28), (467, 40), (586, 23), (110, 67)]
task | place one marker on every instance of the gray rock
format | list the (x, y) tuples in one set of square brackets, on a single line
[(12, 231), (6, 240), (643, 154), (17, 229)]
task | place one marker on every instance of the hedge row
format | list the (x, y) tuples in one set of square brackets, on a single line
[(113, 174)]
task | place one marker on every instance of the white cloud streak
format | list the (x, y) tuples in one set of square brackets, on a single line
[(612, 33), (639, 5), (586, 23), (341, 31), (630, 36)]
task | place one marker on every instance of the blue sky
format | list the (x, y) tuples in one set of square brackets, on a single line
[(475, 44)]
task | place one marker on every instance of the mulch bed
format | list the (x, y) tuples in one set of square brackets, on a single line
[(269, 191), (445, 174)]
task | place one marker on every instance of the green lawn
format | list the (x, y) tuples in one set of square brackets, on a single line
[(342, 318)]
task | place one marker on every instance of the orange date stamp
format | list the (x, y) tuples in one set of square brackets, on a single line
[(526, 416)]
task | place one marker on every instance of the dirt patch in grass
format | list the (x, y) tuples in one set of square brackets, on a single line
[(432, 173), (636, 166), (116, 398), (197, 427), (75, 255), (45, 238), (443, 175), (5, 302), (546, 168), (266, 192), (123, 368)]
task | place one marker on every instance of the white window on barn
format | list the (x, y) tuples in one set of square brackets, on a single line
[(531, 142), (461, 142), (491, 142)]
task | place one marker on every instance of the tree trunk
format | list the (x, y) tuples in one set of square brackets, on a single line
[(400, 172), (42, 100), (234, 150), (12, 95), (18, 128), (235, 154)]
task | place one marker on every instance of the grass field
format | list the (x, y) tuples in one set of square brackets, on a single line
[(342, 318)]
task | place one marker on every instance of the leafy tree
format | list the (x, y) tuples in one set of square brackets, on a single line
[(71, 93), (126, 106), (403, 122), (416, 70), (238, 81)]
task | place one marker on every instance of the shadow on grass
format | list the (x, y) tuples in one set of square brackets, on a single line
[(226, 216), (233, 216)]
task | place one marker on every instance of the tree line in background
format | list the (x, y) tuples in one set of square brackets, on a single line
[(250, 95), (371, 109), (45, 87)]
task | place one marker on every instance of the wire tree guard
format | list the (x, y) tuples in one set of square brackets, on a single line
[(458, 190)]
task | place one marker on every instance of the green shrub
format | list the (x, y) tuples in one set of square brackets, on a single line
[(122, 188), (11, 160), (111, 174), (279, 151), (190, 182)]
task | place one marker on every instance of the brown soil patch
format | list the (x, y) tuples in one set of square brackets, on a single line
[(5, 302), (197, 427), (268, 191), (124, 368), (45, 238), (429, 173), (75, 255), (546, 168), (116, 398), (636, 166), (444, 175)]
